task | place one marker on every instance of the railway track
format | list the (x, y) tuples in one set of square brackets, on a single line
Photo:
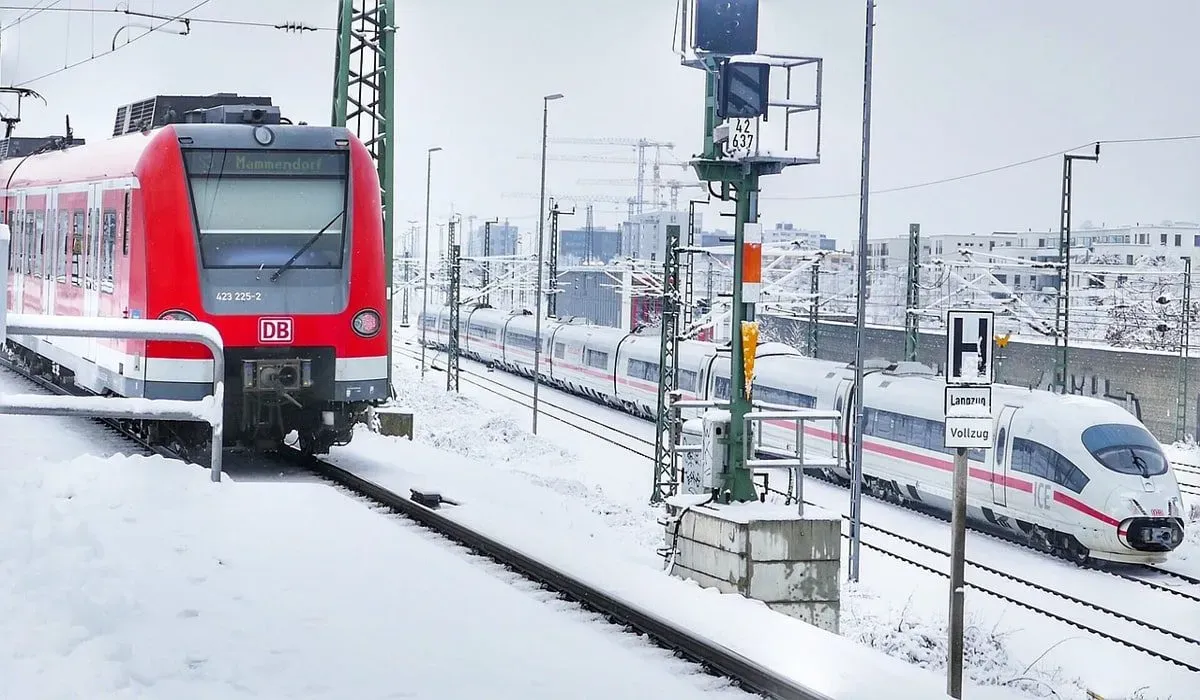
[(622, 439), (713, 658)]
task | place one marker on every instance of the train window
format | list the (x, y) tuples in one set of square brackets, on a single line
[(62, 241), (307, 192), (1125, 449), (89, 270), (521, 341), (686, 379), (108, 243), (638, 369), (477, 330), (560, 351), (1035, 459), (44, 261), (721, 388), (770, 394), (125, 224), (595, 358), (76, 247), (1001, 445), (12, 245), (31, 251), (911, 430)]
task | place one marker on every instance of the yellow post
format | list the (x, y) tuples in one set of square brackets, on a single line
[(749, 344)]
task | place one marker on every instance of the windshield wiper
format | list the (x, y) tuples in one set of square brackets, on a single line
[(1140, 463), (291, 261)]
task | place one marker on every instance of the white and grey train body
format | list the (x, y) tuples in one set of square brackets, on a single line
[(1078, 476)]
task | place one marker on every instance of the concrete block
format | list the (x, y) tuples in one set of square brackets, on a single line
[(395, 422), (769, 553)]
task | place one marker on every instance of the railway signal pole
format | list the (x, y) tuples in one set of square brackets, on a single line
[(1062, 310), (363, 95), (912, 322), (552, 287), (720, 37), (667, 428), (486, 274), (455, 291)]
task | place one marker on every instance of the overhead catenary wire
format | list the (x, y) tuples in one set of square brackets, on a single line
[(987, 171), (126, 11), (185, 15)]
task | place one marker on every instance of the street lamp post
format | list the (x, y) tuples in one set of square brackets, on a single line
[(537, 332), (425, 254)]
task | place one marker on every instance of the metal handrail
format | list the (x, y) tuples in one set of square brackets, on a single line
[(210, 409)]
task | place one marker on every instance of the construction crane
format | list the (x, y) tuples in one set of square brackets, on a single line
[(673, 185), (641, 145), (579, 199)]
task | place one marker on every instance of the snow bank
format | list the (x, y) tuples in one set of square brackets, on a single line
[(138, 578), (496, 439), (549, 526)]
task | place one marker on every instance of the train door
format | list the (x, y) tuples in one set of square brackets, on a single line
[(843, 401), (91, 266), (21, 257), (1000, 456), (51, 253)]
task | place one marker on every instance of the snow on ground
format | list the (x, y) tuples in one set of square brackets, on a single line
[(136, 577), (906, 619)]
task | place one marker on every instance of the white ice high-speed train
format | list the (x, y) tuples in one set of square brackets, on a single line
[(1076, 476)]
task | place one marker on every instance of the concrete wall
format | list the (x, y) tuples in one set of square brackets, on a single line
[(1147, 384)]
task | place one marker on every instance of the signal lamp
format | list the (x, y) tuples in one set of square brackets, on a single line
[(728, 27)]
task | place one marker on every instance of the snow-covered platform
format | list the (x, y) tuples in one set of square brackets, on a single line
[(538, 515), (137, 577)]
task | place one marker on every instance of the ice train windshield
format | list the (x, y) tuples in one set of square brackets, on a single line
[(1125, 449)]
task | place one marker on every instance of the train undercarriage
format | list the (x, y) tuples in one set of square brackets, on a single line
[(260, 419)]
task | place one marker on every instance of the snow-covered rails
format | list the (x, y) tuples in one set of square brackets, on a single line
[(1076, 476)]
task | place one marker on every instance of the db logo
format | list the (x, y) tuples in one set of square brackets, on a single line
[(275, 330)]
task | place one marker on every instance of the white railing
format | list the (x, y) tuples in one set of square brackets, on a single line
[(208, 410)]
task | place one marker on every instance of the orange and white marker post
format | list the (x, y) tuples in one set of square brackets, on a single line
[(752, 240)]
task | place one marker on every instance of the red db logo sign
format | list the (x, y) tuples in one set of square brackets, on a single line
[(275, 330)]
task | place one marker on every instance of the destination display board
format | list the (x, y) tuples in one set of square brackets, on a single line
[(228, 162)]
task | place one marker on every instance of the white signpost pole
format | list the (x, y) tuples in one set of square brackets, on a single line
[(968, 410)]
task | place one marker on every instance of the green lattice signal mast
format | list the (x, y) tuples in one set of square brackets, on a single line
[(363, 94), (736, 103)]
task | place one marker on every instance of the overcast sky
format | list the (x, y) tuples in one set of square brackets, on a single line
[(959, 86)]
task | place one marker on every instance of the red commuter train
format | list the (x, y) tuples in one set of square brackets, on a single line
[(211, 208)]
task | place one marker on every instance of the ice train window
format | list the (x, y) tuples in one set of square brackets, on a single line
[(1035, 459), (1125, 449), (1001, 445), (687, 380)]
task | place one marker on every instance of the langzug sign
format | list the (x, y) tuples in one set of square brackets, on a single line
[(299, 163)]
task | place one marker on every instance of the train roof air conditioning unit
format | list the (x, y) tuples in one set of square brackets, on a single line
[(234, 114), (171, 109)]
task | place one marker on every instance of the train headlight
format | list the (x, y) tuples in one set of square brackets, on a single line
[(176, 315), (366, 323)]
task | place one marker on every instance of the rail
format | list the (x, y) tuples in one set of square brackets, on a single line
[(209, 409), (751, 675)]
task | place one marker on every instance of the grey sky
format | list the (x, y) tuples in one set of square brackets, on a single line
[(960, 86)]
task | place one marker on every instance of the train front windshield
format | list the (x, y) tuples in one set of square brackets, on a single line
[(256, 209), (1125, 449)]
